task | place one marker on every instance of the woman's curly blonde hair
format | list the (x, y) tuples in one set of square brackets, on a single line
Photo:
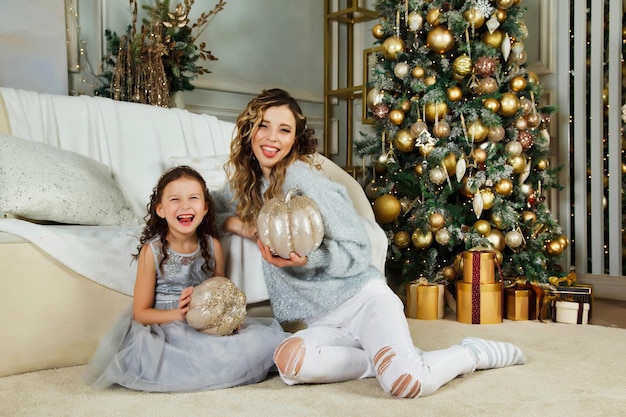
[(244, 171)]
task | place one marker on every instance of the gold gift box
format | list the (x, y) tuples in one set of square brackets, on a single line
[(490, 303), (424, 301), (486, 266), (517, 304)]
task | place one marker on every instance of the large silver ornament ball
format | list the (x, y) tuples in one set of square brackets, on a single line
[(217, 307)]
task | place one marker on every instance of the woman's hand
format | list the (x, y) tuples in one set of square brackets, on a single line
[(294, 258), (234, 225), (183, 302)]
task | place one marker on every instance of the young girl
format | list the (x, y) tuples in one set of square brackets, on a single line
[(151, 347), (356, 326)]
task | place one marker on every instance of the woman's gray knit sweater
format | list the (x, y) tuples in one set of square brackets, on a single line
[(336, 270)]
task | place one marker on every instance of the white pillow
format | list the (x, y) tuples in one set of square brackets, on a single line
[(210, 167), (44, 183)]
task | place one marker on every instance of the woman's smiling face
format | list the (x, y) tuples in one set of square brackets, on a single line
[(274, 138)]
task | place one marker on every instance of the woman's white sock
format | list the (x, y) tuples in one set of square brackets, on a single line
[(490, 354)]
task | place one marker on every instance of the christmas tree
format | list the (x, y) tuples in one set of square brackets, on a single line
[(459, 153)]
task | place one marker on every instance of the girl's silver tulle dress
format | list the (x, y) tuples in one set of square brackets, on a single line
[(174, 356)]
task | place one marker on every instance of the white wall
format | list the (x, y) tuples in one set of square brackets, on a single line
[(33, 46)]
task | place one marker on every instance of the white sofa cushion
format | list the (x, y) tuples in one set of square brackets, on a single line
[(44, 183)]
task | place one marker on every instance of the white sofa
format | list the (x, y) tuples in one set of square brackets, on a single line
[(69, 224)]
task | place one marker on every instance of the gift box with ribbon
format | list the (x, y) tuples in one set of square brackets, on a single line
[(425, 300), (478, 297)]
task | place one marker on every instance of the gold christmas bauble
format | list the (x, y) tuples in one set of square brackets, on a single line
[(497, 220), (415, 21), (449, 162), (465, 190), (526, 105), (442, 236), (462, 65), (477, 131), (553, 247), (563, 240), (380, 168), (533, 79), (422, 240), (514, 148), (430, 80), (492, 104), (418, 169), (488, 198), (371, 190), (474, 18), (441, 129), (374, 96), (377, 31), (509, 104), (386, 208), (542, 164), (518, 162), (392, 47), (493, 39), (497, 239), (432, 16), (434, 111), (482, 227), (418, 127), (401, 70), (522, 29), (496, 134), (501, 15), (437, 175), (436, 221), (404, 141), (396, 116), (504, 187), (480, 155), (487, 85), (405, 105), (504, 4), (528, 217), (417, 72), (514, 239), (521, 123), (526, 189), (458, 263), (455, 94), (533, 119), (440, 39), (518, 83), (448, 273), (402, 239)]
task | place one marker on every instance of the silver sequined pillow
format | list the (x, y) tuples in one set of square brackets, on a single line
[(44, 183)]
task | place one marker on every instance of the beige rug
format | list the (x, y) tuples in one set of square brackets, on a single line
[(572, 371)]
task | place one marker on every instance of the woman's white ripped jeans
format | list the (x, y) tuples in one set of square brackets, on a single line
[(368, 336)]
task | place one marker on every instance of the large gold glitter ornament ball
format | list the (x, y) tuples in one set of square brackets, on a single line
[(514, 239), (497, 239), (482, 227), (462, 65), (496, 134), (504, 187), (396, 116), (492, 104), (377, 31), (455, 94), (518, 83), (487, 85), (485, 66), (553, 247), (415, 21), (474, 18), (528, 217), (440, 39), (402, 239), (477, 131), (436, 221), (493, 39), (386, 208), (401, 70), (509, 104), (392, 47), (404, 141), (434, 111), (217, 307), (422, 240)]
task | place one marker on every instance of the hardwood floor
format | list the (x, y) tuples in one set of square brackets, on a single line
[(609, 313)]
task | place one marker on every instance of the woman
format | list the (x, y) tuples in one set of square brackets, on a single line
[(355, 324)]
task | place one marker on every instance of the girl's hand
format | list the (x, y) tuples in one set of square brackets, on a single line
[(183, 302), (294, 258)]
